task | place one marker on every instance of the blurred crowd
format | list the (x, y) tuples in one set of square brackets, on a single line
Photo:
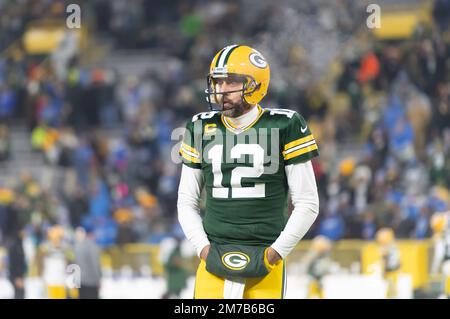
[(387, 102)]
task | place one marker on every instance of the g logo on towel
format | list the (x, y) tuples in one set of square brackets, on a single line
[(235, 260)]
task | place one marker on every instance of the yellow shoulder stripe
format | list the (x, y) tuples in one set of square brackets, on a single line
[(189, 158), (301, 152), (299, 141)]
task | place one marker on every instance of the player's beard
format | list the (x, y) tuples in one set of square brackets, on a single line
[(233, 110)]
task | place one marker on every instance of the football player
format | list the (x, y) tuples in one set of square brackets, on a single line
[(53, 258), (441, 256), (319, 265), (247, 158), (390, 256)]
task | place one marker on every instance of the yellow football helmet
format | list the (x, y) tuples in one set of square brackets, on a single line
[(55, 234), (439, 222), (244, 62), (321, 244), (385, 236)]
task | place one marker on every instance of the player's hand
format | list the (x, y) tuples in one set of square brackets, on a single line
[(204, 253), (272, 256), (19, 283)]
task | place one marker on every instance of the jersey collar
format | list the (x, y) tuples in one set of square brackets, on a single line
[(227, 123)]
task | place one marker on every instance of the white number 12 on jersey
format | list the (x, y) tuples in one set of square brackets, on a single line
[(237, 191)]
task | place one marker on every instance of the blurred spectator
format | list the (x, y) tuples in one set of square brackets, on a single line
[(87, 257), (369, 226), (125, 232), (441, 13), (78, 207), (5, 143), (17, 264), (332, 226), (423, 227)]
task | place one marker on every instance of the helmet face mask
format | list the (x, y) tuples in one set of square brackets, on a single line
[(241, 65), (248, 84)]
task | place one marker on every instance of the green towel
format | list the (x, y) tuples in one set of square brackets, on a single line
[(237, 261)]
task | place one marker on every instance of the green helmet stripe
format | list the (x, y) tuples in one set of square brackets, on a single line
[(228, 55), (218, 57), (224, 55)]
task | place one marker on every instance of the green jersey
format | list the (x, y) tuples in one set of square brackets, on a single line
[(244, 171)]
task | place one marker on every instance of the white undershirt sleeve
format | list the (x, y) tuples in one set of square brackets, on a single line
[(189, 192), (305, 198), (438, 256)]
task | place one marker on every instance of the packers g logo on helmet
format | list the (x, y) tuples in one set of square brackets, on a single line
[(257, 59), (244, 62), (235, 260)]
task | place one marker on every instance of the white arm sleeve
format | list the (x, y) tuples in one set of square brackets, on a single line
[(305, 198), (438, 256), (189, 191)]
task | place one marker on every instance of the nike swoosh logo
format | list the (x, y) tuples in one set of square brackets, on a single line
[(303, 129)]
